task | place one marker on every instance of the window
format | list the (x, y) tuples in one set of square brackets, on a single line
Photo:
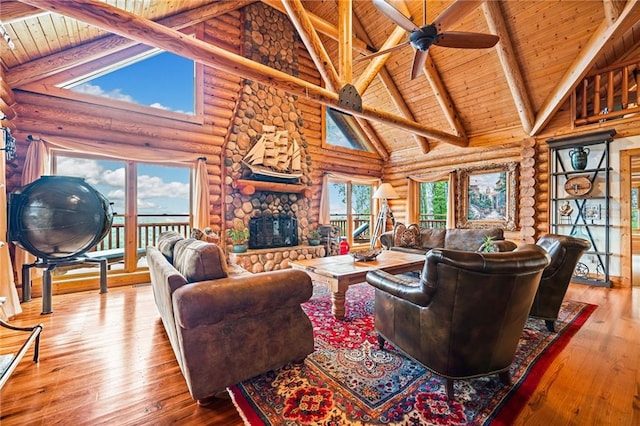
[(145, 80), (350, 209), (343, 131), (162, 200), (635, 209), (433, 204)]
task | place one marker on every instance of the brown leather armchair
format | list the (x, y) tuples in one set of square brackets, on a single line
[(464, 317), (565, 252)]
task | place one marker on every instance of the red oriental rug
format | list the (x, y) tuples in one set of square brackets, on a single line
[(348, 380)]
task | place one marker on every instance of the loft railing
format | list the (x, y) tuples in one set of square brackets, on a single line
[(608, 93)]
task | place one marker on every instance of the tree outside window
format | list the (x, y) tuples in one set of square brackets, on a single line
[(433, 204)]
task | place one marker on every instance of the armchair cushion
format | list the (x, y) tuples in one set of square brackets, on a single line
[(198, 260), (406, 236)]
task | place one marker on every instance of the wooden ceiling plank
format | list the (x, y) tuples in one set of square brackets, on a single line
[(345, 50), (391, 88), (61, 61), (300, 20), (582, 63), (507, 56), (145, 31)]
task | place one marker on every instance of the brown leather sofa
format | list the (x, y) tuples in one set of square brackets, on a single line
[(413, 239), (463, 319), (226, 327), (565, 252)]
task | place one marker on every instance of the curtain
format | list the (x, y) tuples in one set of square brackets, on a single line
[(201, 195), (325, 214), (36, 164), (413, 195), (11, 306)]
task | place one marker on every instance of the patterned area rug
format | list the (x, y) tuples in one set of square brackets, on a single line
[(348, 380)]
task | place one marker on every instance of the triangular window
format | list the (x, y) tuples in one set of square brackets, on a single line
[(343, 130), (156, 79)]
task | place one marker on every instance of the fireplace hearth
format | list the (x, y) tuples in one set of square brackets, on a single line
[(268, 231)]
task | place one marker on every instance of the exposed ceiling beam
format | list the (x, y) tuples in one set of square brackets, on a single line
[(86, 53), (143, 30), (392, 88), (378, 62), (442, 96), (324, 27), (13, 11), (300, 19), (583, 62), (302, 23), (345, 50), (506, 54), (612, 9)]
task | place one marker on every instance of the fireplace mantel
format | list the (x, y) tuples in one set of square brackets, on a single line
[(248, 187)]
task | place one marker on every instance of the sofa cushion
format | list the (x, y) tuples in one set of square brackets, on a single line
[(406, 236), (431, 238), (199, 261), (470, 239), (166, 242)]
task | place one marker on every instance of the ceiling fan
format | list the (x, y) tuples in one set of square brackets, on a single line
[(421, 38)]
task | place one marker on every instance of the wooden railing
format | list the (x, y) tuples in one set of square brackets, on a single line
[(147, 233), (608, 93), (363, 236), (432, 223)]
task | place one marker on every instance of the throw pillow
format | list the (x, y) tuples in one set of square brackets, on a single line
[(166, 242), (199, 261), (406, 236)]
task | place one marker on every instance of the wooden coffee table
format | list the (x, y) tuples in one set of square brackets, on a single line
[(339, 272)]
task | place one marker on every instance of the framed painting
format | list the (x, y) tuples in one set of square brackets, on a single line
[(487, 196)]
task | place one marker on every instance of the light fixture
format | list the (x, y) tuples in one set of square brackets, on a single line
[(384, 192)]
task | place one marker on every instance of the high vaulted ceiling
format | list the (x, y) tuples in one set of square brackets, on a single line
[(545, 48)]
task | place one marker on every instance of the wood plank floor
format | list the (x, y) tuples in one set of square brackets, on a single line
[(105, 359)]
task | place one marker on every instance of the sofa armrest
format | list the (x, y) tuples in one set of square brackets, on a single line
[(210, 302)]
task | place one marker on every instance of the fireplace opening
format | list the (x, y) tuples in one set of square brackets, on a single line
[(268, 231)]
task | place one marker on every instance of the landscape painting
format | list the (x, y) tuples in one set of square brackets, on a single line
[(486, 196)]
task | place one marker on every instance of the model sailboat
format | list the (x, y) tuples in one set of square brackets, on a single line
[(274, 157)]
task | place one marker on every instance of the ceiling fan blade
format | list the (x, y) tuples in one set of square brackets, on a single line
[(454, 13), (382, 52), (395, 15), (418, 62), (463, 40)]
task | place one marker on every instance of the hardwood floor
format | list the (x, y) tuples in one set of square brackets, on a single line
[(105, 359)]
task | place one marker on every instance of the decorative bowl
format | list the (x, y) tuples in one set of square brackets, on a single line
[(365, 255)]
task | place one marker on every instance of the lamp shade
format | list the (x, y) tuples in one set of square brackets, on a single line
[(386, 192)]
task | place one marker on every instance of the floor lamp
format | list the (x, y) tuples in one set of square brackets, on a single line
[(384, 192)]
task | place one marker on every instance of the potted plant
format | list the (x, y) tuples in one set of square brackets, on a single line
[(239, 239), (314, 237), (487, 245)]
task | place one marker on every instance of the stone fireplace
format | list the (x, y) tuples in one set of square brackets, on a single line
[(267, 230), (268, 210)]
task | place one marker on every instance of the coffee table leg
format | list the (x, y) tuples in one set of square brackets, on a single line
[(337, 304)]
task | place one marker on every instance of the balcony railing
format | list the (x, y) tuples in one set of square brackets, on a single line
[(148, 232), (436, 221), (361, 227), (607, 94)]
